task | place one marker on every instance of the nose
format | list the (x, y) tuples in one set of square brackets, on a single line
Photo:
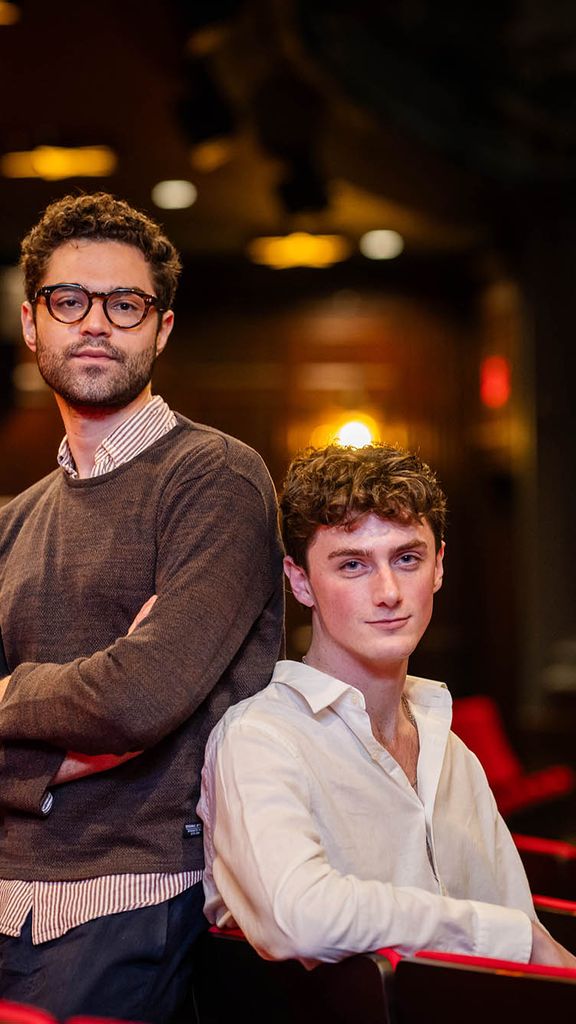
[(96, 321), (385, 589)]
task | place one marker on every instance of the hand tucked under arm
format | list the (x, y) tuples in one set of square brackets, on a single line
[(77, 766), (4, 685), (141, 615)]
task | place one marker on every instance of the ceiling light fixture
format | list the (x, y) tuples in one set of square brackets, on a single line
[(53, 163), (213, 153), (351, 429), (299, 249), (381, 245), (174, 194), (355, 434)]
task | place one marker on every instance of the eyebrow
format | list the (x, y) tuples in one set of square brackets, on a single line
[(103, 291), (410, 545)]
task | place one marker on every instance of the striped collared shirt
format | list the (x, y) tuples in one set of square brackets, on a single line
[(127, 440), (58, 906)]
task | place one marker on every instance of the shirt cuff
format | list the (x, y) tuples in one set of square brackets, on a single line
[(503, 933), (46, 805)]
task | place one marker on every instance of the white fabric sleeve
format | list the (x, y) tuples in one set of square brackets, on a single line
[(274, 876)]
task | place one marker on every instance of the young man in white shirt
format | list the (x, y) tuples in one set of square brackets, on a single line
[(341, 814)]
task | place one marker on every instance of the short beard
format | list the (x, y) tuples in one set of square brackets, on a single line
[(95, 387)]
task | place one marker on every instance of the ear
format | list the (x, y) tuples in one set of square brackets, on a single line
[(439, 567), (299, 582), (28, 325), (164, 331)]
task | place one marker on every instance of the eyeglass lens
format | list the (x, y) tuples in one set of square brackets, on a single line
[(124, 309)]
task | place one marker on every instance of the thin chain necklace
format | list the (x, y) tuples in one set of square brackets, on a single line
[(410, 716), (408, 710)]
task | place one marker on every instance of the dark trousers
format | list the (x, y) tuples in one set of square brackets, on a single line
[(135, 965)]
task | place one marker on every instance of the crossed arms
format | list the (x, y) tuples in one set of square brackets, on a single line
[(77, 766), (217, 581)]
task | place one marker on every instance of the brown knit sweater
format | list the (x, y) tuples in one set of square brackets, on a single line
[(192, 519)]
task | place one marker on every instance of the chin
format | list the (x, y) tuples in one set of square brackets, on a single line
[(395, 653)]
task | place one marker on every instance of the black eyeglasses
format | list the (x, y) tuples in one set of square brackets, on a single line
[(123, 307)]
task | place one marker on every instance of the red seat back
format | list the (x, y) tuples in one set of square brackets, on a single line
[(550, 865), (233, 981), (21, 1013), (476, 720), (444, 988)]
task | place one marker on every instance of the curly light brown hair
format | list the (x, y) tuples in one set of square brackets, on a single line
[(99, 217), (336, 485)]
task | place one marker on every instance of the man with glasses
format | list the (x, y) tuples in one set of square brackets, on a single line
[(140, 595)]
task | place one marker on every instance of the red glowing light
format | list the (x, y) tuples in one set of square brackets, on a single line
[(495, 384)]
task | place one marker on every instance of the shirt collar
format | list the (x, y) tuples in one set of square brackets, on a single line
[(321, 690), (128, 439), (317, 688)]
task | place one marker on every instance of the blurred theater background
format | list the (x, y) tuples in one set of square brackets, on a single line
[(375, 204)]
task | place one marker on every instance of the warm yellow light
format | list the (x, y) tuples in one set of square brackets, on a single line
[(9, 13), (351, 429), (354, 433), (381, 245), (321, 435), (53, 163), (299, 250), (213, 153), (174, 194), (206, 40)]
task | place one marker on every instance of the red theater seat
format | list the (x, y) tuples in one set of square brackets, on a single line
[(233, 981), (97, 1020), (377, 988), (444, 988), (559, 917), (550, 865), (21, 1013), (476, 720)]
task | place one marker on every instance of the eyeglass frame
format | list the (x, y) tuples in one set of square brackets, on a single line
[(149, 300)]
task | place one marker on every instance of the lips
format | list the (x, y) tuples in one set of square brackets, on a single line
[(389, 623), (93, 353)]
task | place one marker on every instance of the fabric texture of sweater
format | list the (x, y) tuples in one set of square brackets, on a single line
[(192, 519)]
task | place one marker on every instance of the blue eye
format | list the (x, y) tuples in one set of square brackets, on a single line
[(409, 559), (352, 565)]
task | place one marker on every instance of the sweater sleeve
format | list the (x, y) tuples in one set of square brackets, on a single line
[(218, 567)]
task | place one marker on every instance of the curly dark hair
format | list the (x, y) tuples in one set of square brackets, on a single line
[(99, 217), (336, 485)]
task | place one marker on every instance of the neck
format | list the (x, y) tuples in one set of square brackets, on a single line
[(391, 720), (381, 684), (87, 426)]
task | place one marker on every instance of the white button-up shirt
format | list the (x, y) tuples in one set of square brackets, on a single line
[(318, 847)]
